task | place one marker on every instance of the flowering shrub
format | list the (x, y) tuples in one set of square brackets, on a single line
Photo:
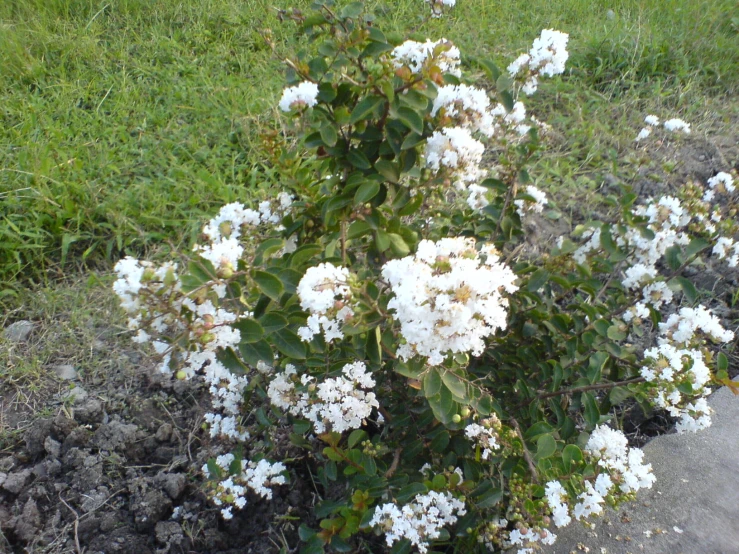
[(444, 385)]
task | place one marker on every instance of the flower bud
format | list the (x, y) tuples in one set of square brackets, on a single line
[(456, 418), (181, 375)]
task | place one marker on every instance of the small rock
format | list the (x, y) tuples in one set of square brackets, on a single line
[(28, 523), (63, 426), (65, 371), (109, 522), (169, 534), (52, 447), (149, 509), (164, 432), (89, 411), (36, 436), (78, 438), (95, 499), (172, 483), (19, 331), (15, 482), (77, 394), (7, 463), (114, 435)]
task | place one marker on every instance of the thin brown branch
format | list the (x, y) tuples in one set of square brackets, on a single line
[(526, 453), (394, 466)]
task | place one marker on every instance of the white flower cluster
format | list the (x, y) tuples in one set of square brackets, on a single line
[(255, 476), (447, 298), (420, 56), (671, 369), (625, 465), (420, 521), (336, 404), (223, 232), (454, 149), (208, 329), (325, 294), (528, 538), (485, 435), (300, 96), (466, 106), (547, 57), (681, 327), (724, 246), (557, 499), (526, 205), (673, 125)]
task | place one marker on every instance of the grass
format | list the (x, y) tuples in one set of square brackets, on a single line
[(125, 122)]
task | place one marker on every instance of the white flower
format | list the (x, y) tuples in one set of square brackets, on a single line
[(484, 436), (676, 125), (454, 149), (681, 327), (466, 106), (644, 133), (651, 120), (419, 521), (447, 299), (537, 206), (419, 55), (299, 96), (722, 178), (547, 57), (324, 293), (611, 449)]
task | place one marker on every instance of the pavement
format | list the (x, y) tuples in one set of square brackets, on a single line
[(693, 508)]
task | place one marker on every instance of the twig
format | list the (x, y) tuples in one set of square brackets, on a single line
[(526, 453), (394, 466), (603, 386), (76, 524)]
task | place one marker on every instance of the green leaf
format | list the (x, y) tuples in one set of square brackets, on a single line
[(272, 321), (372, 347), (303, 254), (431, 383), (411, 119), (537, 280), (365, 108), (689, 290), (402, 546), (253, 353), (571, 453), (289, 343), (357, 229), (411, 140), (358, 159), (352, 11), (486, 495), (388, 169), (672, 256), (615, 332), (546, 446), (410, 491), (398, 245), (250, 330), (696, 246), (455, 385), (366, 192), (722, 362), (382, 241), (506, 99), (592, 414), (443, 406), (329, 134), (356, 436), (269, 284), (618, 395)]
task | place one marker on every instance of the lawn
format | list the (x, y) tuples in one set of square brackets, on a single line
[(125, 122)]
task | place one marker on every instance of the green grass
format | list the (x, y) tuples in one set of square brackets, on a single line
[(125, 122)]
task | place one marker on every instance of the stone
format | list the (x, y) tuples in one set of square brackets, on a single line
[(76, 395), (36, 436), (52, 447), (164, 432), (172, 483), (15, 481), (114, 435), (89, 411), (693, 507), (28, 523), (19, 331), (65, 371)]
